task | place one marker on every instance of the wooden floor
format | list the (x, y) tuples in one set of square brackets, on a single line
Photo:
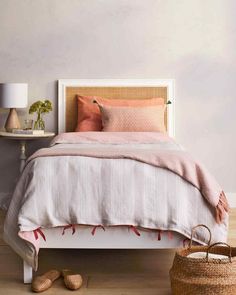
[(105, 272)]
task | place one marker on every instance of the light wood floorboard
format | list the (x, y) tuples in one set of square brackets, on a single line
[(105, 272)]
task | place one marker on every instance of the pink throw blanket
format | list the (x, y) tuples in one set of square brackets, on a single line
[(175, 160)]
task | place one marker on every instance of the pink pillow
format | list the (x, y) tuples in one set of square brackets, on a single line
[(89, 116), (120, 119)]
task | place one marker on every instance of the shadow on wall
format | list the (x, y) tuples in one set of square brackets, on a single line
[(52, 93), (10, 150), (9, 168), (10, 165)]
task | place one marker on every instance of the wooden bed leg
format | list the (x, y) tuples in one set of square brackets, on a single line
[(28, 273)]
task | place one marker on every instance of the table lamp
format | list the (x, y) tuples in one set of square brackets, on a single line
[(13, 95)]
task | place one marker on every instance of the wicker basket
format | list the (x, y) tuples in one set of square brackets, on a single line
[(197, 276)]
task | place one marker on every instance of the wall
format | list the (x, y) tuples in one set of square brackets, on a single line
[(193, 41)]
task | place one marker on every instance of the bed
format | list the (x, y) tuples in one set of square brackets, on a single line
[(92, 234)]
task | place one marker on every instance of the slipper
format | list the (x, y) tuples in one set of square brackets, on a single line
[(72, 280), (44, 282)]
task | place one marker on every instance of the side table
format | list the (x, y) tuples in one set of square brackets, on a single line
[(23, 138)]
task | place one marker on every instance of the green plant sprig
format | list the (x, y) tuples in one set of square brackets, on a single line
[(41, 107)]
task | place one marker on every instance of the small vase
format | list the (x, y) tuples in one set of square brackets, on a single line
[(39, 123)]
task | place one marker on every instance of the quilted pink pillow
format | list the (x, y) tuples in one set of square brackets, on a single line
[(120, 119), (89, 116)]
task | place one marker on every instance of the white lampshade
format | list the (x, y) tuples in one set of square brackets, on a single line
[(13, 95)]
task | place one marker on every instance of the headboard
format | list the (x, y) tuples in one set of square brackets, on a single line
[(114, 89)]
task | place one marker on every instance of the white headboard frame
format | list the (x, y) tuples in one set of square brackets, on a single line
[(168, 83)]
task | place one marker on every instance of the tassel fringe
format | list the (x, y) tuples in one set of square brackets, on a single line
[(134, 229), (39, 231), (95, 228), (72, 226), (159, 235), (222, 208)]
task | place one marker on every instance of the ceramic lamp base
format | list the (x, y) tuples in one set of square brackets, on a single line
[(12, 121)]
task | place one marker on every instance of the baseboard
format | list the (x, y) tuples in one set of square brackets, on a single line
[(5, 199)]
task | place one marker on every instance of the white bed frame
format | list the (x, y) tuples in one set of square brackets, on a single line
[(112, 238)]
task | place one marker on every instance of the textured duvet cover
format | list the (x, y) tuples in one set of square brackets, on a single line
[(110, 179)]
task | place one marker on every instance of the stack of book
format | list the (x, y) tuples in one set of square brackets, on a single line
[(28, 131)]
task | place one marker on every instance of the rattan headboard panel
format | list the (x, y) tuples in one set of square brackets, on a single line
[(107, 92)]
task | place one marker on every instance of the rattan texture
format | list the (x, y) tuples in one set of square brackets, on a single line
[(197, 276), (128, 93), (73, 281), (44, 282)]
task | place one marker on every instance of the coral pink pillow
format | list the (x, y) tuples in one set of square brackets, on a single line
[(89, 116), (123, 119)]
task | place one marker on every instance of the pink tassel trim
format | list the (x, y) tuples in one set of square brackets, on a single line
[(222, 208), (134, 229), (72, 226), (39, 231), (95, 228)]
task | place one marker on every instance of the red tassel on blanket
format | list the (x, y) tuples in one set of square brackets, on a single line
[(159, 235), (95, 227), (222, 208), (38, 230), (134, 229), (69, 226)]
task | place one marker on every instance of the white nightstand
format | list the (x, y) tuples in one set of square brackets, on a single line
[(23, 138)]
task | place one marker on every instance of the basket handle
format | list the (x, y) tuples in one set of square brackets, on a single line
[(193, 231), (219, 243)]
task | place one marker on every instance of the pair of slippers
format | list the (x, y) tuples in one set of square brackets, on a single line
[(73, 281)]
